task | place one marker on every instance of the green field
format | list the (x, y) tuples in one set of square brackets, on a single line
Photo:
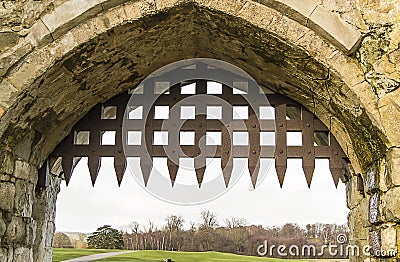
[(158, 256), (61, 254)]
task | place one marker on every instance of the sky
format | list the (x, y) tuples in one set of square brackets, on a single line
[(83, 208)]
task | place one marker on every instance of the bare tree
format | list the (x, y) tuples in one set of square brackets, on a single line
[(235, 222), (208, 220), (174, 223)]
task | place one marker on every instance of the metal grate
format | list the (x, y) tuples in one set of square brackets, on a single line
[(272, 131)]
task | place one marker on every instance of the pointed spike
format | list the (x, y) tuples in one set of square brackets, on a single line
[(94, 164), (200, 167), (254, 170), (281, 171), (146, 167), (309, 173), (119, 171), (67, 166), (200, 175), (227, 173), (336, 172), (173, 171)]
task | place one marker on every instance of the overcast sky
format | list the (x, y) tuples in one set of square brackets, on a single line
[(80, 207)]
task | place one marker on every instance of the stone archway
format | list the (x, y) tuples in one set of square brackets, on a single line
[(64, 65)]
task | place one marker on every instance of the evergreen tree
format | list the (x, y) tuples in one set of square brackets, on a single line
[(106, 237)]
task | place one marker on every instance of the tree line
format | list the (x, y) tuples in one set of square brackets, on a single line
[(233, 235)]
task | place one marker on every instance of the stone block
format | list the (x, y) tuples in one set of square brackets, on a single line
[(16, 232), (389, 109), (31, 227), (6, 255), (23, 147), (383, 178), (371, 180), (8, 39), (393, 166), (390, 204), (25, 171), (388, 237), (115, 16), (3, 226), (374, 205), (375, 241), (7, 194), (333, 28), (24, 198), (7, 92), (133, 10), (67, 12), (23, 254), (7, 166), (39, 34), (48, 241)]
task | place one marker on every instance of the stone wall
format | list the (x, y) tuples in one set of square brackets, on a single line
[(17, 194), (340, 59)]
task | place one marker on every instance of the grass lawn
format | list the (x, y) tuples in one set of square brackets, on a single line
[(61, 254), (157, 256)]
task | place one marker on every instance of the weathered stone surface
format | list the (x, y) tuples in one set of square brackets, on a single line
[(374, 204), (3, 226), (7, 163), (375, 241), (390, 205), (389, 237), (371, 181), (334, 27), (23, 198), (7, 93), (6, 255), (23, 254), (7, 193), (393, 164), (44, 215), (16, 232), (7, 39), (389, 109), (25, 171)]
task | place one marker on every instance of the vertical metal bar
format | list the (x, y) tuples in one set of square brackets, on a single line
[(227, 136), (94, 160), (65, 150), (173, 140), (119, 156), (146, 154), (307, 129), (336, 159), (200, 135), (254, 129), (281, 143)]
